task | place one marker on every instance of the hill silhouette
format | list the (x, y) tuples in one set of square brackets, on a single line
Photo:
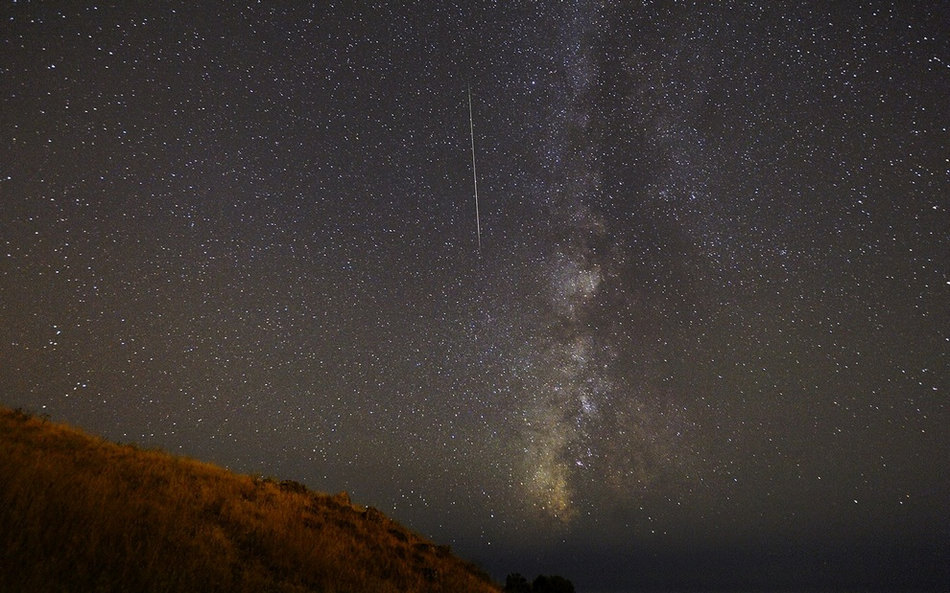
[(81, 514)]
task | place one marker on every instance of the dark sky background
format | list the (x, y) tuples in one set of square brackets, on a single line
[(706, 338)]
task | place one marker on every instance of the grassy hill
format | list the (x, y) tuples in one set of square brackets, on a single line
[(78, 513)]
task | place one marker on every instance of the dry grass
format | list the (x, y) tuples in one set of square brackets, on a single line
[(78, 513)]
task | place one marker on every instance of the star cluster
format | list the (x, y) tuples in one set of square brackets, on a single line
[(708, 324)]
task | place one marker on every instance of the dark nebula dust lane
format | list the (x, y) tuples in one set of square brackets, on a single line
[(707, 328)]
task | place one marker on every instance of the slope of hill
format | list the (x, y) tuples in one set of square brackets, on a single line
[(81, 514)]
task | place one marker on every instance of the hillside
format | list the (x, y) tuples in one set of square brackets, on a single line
[(78, 514)]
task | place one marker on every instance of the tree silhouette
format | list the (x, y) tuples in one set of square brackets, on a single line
[(516, 583), (552, 584)]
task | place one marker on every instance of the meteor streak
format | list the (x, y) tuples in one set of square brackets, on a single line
[(471, 128)]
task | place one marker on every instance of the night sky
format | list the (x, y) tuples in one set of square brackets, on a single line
[(706, 337)]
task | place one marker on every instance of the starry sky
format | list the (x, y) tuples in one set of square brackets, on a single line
[(704, 341)]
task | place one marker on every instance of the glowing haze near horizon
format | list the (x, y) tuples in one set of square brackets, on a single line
[(706, 335)]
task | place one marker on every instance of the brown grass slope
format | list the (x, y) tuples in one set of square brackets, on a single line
[(81, 514)]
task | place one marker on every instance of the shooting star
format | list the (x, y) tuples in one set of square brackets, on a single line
[(471, 129)]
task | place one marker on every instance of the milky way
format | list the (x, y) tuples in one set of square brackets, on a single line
[(706, 328)]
